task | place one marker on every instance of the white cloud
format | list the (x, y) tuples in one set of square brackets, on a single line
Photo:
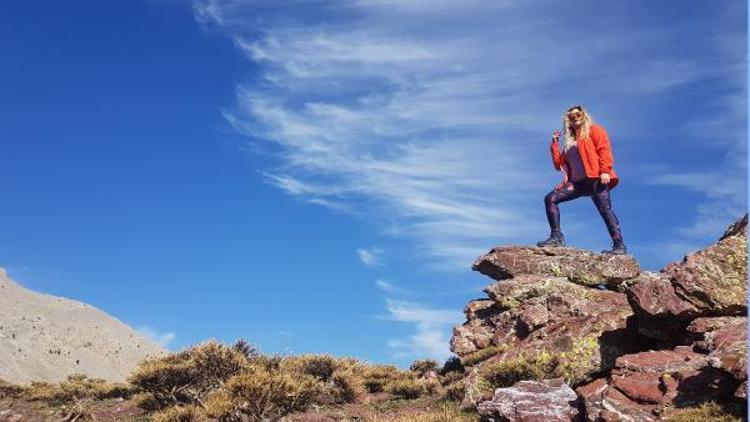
[(387, 287), (434, 119), (372, 257), (432, 328), (162, 338)]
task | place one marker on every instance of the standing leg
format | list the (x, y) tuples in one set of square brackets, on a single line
[(603, 203)]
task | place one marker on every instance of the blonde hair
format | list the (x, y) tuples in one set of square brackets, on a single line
[(570, 136)]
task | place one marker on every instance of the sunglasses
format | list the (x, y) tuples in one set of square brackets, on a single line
[(575, 115)]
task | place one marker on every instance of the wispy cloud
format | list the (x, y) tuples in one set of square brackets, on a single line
[(432, 328), (162, 338), (424, 117), (388, 287), (372, 257)]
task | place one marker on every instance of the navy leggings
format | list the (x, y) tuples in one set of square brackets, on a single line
[(598, 192)]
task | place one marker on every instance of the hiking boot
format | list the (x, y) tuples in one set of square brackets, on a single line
[(618, 248), (555, 240)]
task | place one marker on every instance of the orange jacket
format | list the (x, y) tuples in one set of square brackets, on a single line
[(596, 155)]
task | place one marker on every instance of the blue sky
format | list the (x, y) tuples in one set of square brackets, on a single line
[(318, 176)]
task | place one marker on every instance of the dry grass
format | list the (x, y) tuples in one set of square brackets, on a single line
[(412, 388), (75, 388), (448, 413), (186, 377), (505, 373), (481, 355), (710, 411), (189, 413), (422, 367), (261, 395)]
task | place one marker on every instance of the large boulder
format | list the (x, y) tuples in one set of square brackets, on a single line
[(577, 265), (725, 341), (533, 401), (546, 325), (642, 384), (708, 283)]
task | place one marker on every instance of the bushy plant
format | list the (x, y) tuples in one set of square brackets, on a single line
[(422, 367), (78, 410), (346, 386), (245, 348), (455, 392), (451, 377), (9, 390), (186, 377), (261, 395), (188, 413), (481, 355), (710, 411), (321, 367), (377, 377), (507, 372), (452, 364), (74, 388), (411, 388)]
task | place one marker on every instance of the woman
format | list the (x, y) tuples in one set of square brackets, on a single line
[(586, 162)]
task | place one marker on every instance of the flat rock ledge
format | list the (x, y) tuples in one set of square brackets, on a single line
[(577, 265)]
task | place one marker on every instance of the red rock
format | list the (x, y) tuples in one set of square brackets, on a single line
[(682, 358), (642, 384), (728, 346), (714, 279), (577, 265), (533, 401), (652, 295), (741, 391), (641, 387)]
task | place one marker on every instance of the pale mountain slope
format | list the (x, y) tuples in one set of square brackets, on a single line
[(46, 338)]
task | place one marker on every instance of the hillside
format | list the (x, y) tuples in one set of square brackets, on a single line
[(46, 338)]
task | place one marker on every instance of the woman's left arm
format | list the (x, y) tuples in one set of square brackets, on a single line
[(603, 149)]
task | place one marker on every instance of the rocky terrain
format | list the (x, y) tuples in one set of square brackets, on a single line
[(46, 338), (566, 334), (563, 334)]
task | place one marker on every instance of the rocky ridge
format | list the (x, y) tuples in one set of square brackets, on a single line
[(46, 338), (633, 344)]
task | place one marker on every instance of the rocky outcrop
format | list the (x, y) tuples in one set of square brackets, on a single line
[(544, 316), (642, 384), (634, 344), (708, 283), (529, 315), (46, 338), (533, 401), (577, 265)]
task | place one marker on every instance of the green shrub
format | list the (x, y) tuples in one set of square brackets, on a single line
[(481, 355), (452, 364), (507, 372), (188, 376), (422, 367), (261, 395), (410, 388)]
